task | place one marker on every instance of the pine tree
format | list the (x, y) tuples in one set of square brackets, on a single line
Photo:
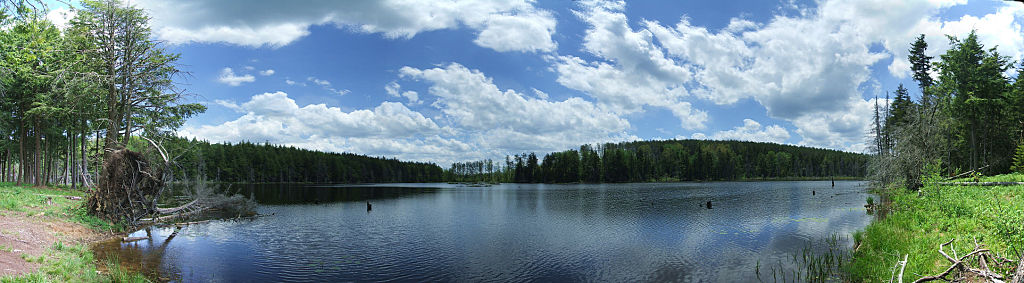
[(1018, 159)]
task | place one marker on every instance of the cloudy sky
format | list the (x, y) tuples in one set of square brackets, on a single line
[(445, 81)]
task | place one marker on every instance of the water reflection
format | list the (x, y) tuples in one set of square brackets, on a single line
[(510, 232)]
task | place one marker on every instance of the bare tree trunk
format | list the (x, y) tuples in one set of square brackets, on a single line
[(21, 152), (39, 150), (71, 160), (84, 161)]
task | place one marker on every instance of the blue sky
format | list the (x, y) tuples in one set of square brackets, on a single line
[(445, 81)]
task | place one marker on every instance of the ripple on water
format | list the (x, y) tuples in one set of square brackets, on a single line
[(619, 232)]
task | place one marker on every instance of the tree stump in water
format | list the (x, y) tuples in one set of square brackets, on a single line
[(127, 189)]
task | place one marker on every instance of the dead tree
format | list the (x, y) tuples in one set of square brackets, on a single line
[(130, 186)]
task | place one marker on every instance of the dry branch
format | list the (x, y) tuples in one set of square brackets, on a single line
[(176, 209), (1018, 277), (961, 264), (980, 183)]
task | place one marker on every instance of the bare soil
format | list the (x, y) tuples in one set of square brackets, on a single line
[(24, 236)]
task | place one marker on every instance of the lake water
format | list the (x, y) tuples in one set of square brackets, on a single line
[(508, 232)]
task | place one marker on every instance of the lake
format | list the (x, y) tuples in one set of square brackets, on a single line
[(507, 232)]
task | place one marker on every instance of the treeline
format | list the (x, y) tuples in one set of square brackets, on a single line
[(260, 163), (669, 160), (70, 97), (969, 116)]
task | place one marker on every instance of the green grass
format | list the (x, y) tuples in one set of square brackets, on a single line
[(32, 201), (917, 225), (61, 262), (73, 263)]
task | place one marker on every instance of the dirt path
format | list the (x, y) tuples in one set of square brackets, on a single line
[(24, 236)]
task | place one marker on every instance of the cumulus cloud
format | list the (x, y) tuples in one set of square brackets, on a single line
[(500, 25), (227, 76), (267, 72), (277, 118), (808, 68), (395, 90), (751, 131), (509, 120)]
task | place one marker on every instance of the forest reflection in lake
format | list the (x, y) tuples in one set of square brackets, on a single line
[(508, 232)]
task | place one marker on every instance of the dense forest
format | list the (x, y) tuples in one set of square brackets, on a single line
[(74, 96), (969, 117), (249, 162), (668, 160)]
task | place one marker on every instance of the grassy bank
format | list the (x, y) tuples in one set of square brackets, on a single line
[(917, 225), (67, 258)]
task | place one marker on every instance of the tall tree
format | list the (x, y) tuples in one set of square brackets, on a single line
[(921, 63), (137, 72)]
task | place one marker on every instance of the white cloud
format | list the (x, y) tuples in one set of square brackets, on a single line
[(319, 81), (290, 82), (752, 131), (277, 118), (227, 76), (510, 121), (60, 17), (808, 68), (267, 72), (394, 89), (326, 85), (512, 25)]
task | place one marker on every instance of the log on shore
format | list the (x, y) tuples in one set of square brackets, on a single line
[(981, 183), (132, 239)]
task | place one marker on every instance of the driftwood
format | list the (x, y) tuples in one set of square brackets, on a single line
[(132, 239), (980, 183), (966, 173), (960, 264), (176, 209)]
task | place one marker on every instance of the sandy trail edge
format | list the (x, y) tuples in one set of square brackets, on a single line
[(30, 236)]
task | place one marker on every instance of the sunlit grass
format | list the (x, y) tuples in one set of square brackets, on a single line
[(73, 263), (916, 225), (61, 262), (33, 202)]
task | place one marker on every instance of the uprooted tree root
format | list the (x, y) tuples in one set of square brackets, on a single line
[(127, 189), (972, 267)]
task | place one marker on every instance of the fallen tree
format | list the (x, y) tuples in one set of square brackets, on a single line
[(130, 186)]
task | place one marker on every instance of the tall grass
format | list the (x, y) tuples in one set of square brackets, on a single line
[(917, 224), (823, 260)]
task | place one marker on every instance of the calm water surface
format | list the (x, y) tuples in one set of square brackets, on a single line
[(508, 232)]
